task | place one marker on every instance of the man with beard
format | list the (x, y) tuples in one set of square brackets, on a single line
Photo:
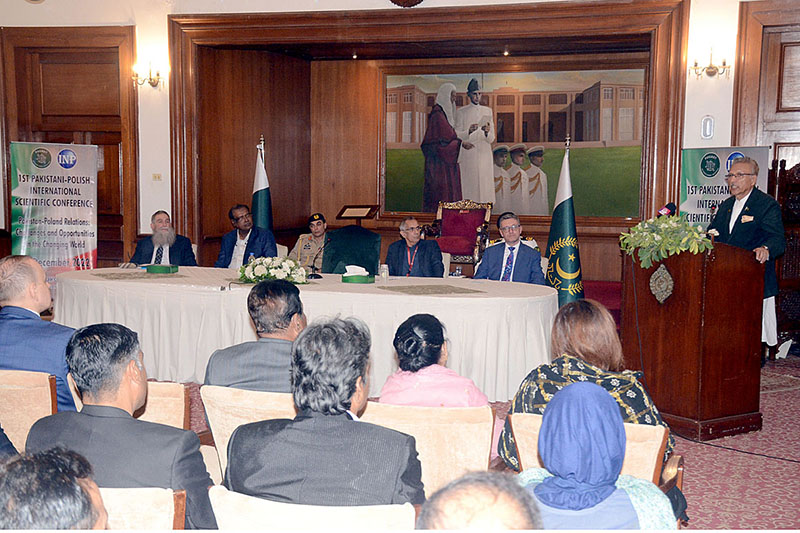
[(164, 247)]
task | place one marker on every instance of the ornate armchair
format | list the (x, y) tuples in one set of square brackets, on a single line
[(462, 229), (784, 185)]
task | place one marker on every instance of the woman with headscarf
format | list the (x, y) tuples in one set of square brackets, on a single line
[(441, 147), (582, 446)]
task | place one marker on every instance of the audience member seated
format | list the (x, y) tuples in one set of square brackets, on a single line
[(51, 489), (511, 260), (310, 247), (585, 347), (423, 378), (325, 456), (582, 444), (412, 256), (26, 341), (244, 240), (106, 363), (164, 247), (487, 501), (6, 448), (263, 365)]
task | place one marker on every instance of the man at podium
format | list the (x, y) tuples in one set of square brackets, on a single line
[(751, 219)]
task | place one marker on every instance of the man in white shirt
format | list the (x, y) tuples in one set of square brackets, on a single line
[(502, 179), (511, 260), (536, 186), (244, 240), (475, 128), (164, 247)]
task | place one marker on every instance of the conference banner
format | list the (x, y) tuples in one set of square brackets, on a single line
[(703, 185), (54, 205)]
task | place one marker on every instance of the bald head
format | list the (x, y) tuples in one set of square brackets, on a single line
[(23, 283), (481, 500)]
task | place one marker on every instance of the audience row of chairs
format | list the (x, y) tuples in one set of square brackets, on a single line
[(450, 443)]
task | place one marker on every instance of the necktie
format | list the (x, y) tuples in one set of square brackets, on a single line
[(159, 255), (509, 265)]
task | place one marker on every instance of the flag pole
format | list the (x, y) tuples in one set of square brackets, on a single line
[(262, 201), (260, 147)]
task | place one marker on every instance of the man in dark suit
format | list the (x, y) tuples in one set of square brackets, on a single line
[(751, 220), (106, 362), (325, 456), (511, 260), (413, 256), (244, 240), (164, 247), (26, 341), (277, 312)]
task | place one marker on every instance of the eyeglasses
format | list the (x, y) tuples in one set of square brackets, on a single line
[(415, 228), (248, 215), (739, 175), (515, 227)]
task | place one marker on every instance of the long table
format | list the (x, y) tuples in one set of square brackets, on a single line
[(497, 331)]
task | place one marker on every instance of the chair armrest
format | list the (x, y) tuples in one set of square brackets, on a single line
[(672, 474)]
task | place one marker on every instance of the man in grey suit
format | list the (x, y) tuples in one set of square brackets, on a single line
[(106, 362), (263, 365), (325, 455)]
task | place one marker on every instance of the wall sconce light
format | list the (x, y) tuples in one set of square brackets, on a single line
[(711, 69), (153, 80)]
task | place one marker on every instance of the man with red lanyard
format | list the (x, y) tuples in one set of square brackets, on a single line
[(412, 256)]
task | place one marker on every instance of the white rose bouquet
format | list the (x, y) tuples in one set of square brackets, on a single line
[(658, 238), (262, 268)]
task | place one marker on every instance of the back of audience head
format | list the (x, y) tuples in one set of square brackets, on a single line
[(276, 309), (330, 359), (23, 283), (586, 329), (481, 500), (99, 355), (420, 342), (52, 489)]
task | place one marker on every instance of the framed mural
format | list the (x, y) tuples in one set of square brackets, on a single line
[(499, 137)]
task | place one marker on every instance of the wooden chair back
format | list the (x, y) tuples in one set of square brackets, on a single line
[(451, 441), (236, 511), (167, 403), (228, 408), (644, 446), (144, 508), (25, 397)]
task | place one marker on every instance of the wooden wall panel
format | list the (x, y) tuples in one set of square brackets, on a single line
[(244, 94)]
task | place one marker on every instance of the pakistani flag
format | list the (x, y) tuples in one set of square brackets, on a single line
[(262, 201), (564, 268)]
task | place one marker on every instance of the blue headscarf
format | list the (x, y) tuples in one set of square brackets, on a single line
[(582, 443)]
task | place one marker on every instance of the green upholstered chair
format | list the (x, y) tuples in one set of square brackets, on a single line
[(351, 245)]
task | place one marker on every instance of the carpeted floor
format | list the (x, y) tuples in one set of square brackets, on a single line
[(725, 489)]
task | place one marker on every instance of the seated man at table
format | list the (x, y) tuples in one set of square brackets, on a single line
[(26, 341), (263, 365), (412, 256), (106, 362), (325, 456), (164, 247), (244, 240), (310, 247), (511, 260)]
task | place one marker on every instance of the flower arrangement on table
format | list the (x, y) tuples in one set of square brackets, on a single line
[(262, 268), (658, 238)]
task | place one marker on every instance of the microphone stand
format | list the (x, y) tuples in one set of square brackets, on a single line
[(314, 274)]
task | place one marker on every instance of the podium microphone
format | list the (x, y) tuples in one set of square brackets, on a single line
[(314, 274), (667, 210)]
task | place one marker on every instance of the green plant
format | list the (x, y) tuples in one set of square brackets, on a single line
[(658, 238)]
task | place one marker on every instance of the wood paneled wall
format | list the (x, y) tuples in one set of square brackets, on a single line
[(245, 94)]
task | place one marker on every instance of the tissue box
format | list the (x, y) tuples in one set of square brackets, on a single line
[(358, 279)]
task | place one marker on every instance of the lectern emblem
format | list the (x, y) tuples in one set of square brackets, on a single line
[(661, 284)]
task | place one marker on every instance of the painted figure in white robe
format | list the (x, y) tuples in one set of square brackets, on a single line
[(518, 180), (475, 128), (502, 180), (537, 183)]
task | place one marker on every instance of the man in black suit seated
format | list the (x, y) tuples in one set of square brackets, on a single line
[(277, 312), (244, 240), (413, 256), (164, 247), (106, 362), (325, 456)]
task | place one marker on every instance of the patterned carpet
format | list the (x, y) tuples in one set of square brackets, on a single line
[(725, 489)]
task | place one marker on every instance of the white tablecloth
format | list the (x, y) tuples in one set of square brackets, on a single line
[(498, 331)]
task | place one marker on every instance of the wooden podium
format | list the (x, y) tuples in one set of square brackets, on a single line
[(700, 348)]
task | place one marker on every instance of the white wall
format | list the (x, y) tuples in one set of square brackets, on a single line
[(712, 22)]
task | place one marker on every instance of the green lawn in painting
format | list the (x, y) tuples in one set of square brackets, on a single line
[(605, 181)]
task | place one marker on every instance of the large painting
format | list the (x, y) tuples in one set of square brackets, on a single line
[(499, 137)]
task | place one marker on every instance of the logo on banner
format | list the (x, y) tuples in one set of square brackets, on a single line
[(67, 158), (734, 155), (41, 157), (709, 165)]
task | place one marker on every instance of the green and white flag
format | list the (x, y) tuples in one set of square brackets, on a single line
[(262, 201), (564, 268)]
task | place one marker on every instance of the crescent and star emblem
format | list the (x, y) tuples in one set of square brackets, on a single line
[(566, 275)]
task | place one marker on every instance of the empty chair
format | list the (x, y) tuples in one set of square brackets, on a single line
[(283, 251), (240, 511), (144, 508), (25, 397), (451, 441), (351, 245), (228, 408)]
